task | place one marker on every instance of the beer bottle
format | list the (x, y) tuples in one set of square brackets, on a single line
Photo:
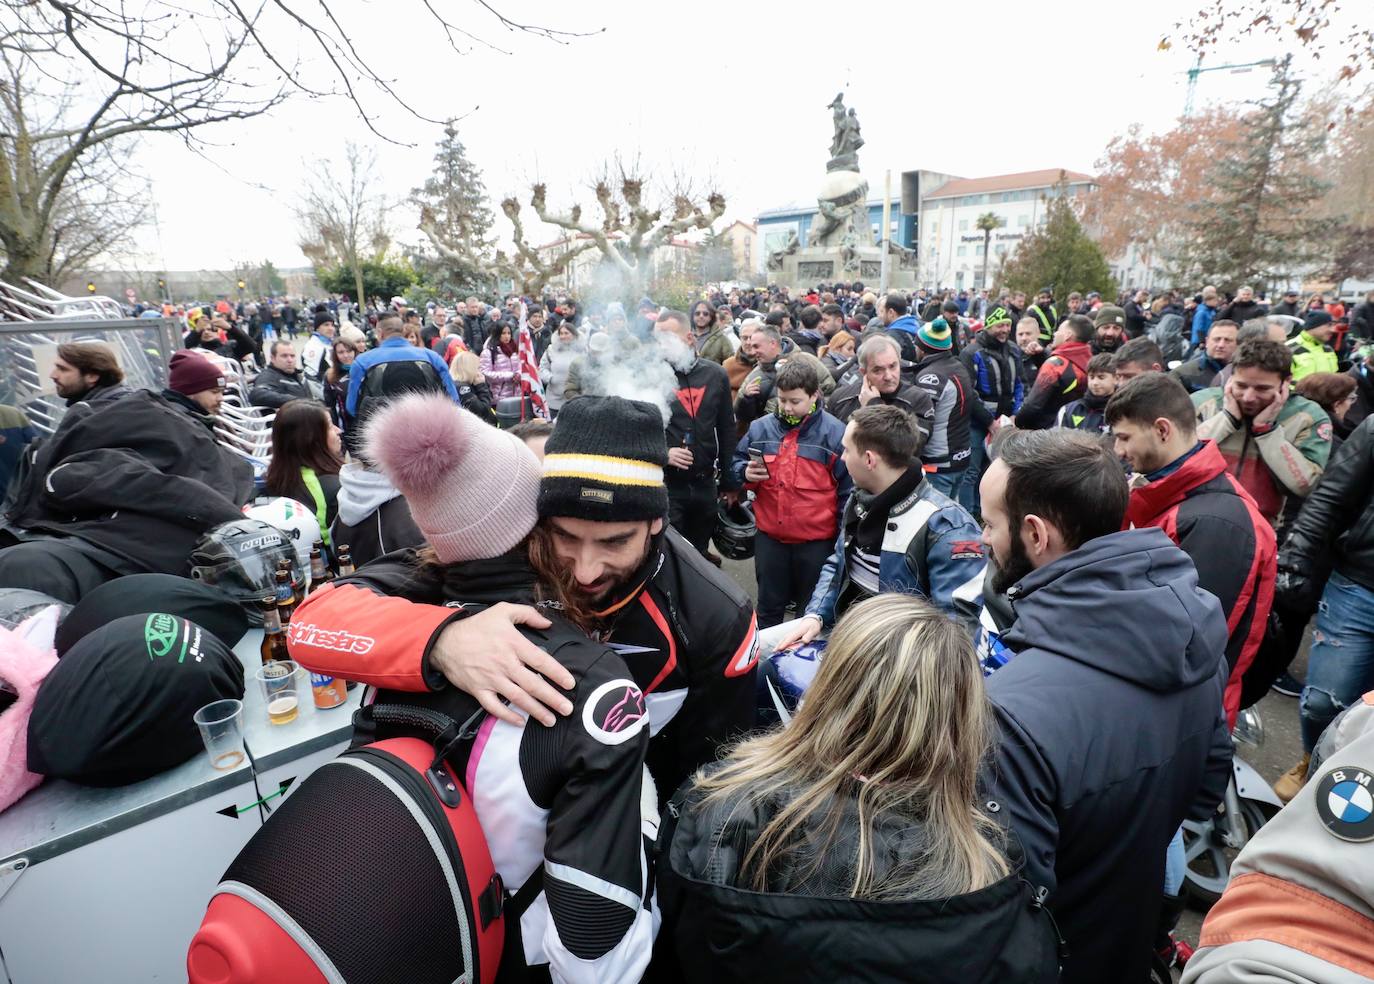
[(286, 597), (318, 573), (345, 561), (273, 635)]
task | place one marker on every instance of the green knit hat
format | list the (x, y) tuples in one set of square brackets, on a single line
[(998, 315), (935, 335)]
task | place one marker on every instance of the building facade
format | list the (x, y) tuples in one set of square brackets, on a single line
[(937, 216), (951, 244), (744, 240)]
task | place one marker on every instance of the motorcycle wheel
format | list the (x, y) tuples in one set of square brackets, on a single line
[(1209, 857)]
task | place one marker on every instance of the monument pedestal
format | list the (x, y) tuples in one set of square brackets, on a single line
[(812, 265)]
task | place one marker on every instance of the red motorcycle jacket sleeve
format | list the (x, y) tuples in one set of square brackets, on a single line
[(348, 630)]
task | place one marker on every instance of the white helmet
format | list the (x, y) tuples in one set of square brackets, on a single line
[(294, 519)]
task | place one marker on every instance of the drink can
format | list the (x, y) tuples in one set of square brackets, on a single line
[(329, 691)]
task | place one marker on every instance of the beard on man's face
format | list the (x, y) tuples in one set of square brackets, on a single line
[(1011, 568)]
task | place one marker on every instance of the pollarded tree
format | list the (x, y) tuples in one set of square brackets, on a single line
[(632, 228), (1257, 225), (1058, 253)]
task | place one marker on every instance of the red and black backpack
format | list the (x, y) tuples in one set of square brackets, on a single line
[(374, 869)]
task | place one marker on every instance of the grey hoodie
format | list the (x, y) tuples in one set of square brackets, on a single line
[(1112, 733), (374, 518)]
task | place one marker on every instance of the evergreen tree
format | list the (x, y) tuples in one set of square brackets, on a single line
[(717, 259), (456, 198), (1256, 227), (1058, 254)]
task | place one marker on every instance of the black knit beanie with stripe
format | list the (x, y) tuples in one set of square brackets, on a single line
[(604, 462)]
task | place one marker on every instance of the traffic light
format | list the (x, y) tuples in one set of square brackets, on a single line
[(161, 284), (242, 285), (91, 286)]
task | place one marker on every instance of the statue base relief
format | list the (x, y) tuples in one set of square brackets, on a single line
[(812, 265)]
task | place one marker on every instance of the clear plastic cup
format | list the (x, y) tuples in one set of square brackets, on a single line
[(221, 729), (279, 682)]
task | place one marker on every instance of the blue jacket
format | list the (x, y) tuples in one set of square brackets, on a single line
[(1202, 322), (926, 530), (394, 349), (1111, 735)]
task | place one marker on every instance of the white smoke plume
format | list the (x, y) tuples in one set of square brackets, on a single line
[(639, 369)]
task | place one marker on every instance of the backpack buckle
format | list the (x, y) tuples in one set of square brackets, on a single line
[(491, 901)]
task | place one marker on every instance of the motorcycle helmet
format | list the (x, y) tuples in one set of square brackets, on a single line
[(17, 604), (297, 522), (239, 560), (734, 535)]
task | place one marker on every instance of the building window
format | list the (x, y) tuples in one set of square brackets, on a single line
[(999, 249), (962, 251), (1023, 221), (963, 225), (978, 250)]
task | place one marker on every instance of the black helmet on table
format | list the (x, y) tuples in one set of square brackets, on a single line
[(239, 559), (734, 535)]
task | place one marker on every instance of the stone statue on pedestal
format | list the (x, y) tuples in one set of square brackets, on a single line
[(843, 198)]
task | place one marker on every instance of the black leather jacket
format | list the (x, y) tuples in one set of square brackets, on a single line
[(1336, 521), (806, 928)]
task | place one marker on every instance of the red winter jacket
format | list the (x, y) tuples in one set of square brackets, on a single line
[(808, 483), (1206, 511), (1062, 378)]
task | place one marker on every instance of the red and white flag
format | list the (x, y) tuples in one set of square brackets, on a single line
[(529, 370)]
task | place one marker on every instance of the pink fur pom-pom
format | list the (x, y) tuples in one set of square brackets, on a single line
[(418, 440)]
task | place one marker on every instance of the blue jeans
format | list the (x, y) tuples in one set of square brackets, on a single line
[(946, 482), (1340, 665), (977, 461)]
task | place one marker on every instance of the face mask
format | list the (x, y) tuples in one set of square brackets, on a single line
[(792, 421)]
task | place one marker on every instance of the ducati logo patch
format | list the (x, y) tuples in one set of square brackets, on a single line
[(1345, 803), (615, 712)]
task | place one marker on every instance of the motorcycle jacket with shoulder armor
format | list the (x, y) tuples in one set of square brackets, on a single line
[(686, 631), (568, 812)]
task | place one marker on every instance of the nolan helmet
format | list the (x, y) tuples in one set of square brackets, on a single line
[(239, 559), (734, 535)]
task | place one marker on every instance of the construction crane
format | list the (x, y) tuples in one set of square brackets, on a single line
[(1197, 70)]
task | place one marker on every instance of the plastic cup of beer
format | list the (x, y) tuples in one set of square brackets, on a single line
[(221, 729), (278, 682)]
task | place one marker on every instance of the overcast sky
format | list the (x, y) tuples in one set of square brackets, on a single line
[(733, 91)]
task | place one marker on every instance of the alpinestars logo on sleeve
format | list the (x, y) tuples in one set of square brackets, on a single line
[(615, 712)]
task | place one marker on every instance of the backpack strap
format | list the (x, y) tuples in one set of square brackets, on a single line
[(519, 902)]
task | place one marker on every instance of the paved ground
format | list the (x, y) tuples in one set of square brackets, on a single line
[(1282, 746)]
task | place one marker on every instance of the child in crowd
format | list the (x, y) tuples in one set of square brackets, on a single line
[(1086, 414)]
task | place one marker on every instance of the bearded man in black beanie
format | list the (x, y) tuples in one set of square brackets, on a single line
[(686, 631)]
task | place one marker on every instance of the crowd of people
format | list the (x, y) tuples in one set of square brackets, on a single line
[(1045, 557)]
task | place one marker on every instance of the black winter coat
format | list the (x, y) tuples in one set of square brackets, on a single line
[(808, 930), (273, 388), (1337, 516), (136, 477), (702, 409), (1111, 735)]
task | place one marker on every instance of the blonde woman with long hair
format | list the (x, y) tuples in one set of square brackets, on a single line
[(853, 844), (473, 392)]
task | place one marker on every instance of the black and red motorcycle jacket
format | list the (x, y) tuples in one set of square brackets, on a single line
[(686, 632)]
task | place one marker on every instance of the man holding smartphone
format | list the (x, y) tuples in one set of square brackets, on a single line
[(792, 461)]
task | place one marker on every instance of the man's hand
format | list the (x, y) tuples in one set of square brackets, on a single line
[(680, 457), (731, 496), (1229, 402), (1264, 420), (810, 628), (755, 471), (752, 387), (867, 393), (486, 657)]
